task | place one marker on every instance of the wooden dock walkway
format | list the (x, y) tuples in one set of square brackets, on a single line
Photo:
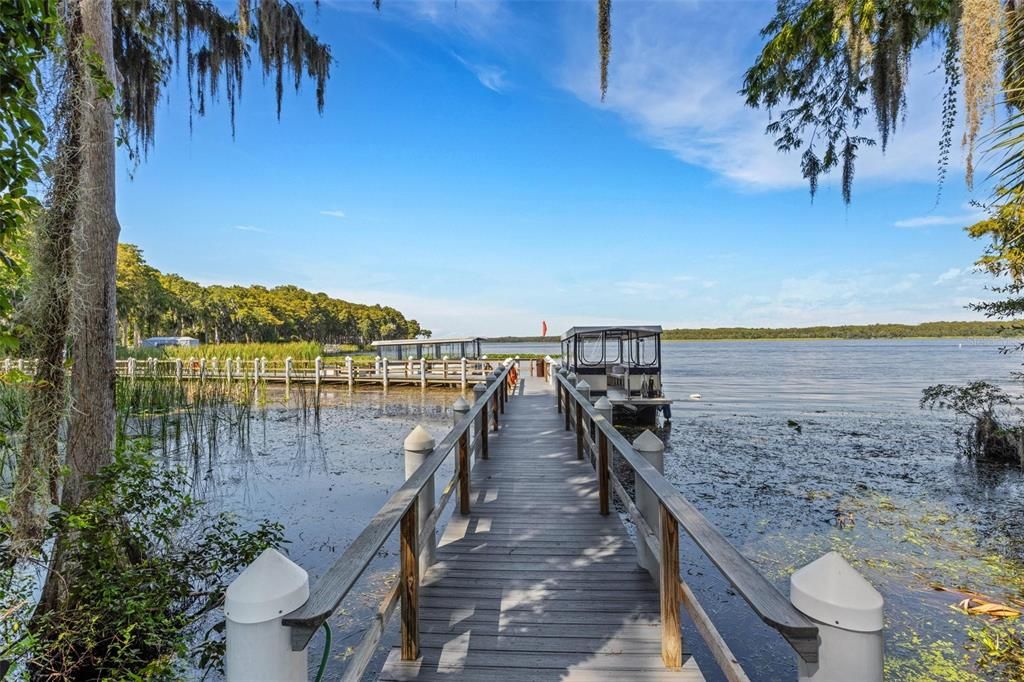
[(535, 584), (535, 576)]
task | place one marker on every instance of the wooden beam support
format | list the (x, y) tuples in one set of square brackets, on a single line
[(568, 410), (671, 634), (579, 431), (410, 580), (483, 433), (602, 472), (463, 466)]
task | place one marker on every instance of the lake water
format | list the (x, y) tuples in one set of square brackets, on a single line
[(868, 474)]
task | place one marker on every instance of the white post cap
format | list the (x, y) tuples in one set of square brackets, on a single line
[(831, 591), (571, 378), (603, 403), (460, 405), (480, 387), (648, 442), (583, 386), (268, 588), (419, 440)]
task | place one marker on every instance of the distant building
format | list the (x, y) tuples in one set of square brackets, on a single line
[(161, 341), (432, 349)]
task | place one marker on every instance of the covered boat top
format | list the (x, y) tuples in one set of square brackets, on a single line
[(432, 349), (619, 330)]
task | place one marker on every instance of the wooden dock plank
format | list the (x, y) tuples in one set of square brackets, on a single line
[(534, 583)]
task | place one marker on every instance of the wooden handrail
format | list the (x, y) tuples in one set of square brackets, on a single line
[(767, 602), (332, 588)]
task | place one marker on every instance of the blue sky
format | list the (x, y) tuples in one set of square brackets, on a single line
[(465, 172)]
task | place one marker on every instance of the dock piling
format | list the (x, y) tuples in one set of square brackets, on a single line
[(848, 611), (652, 449), (257, 646), (418, 445)]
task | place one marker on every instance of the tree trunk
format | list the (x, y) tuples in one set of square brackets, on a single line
[(91, 426), (49, 313)]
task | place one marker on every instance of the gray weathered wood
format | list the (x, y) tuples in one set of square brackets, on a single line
[(534, 583), (329, 591), (766, 601)]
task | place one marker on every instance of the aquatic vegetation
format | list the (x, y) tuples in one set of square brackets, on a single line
[(994, 431)]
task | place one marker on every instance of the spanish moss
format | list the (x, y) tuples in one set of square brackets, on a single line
[(149, 36), (979, 55), (604, 40)]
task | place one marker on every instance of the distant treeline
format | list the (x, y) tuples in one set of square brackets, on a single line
[(849, 331), (151, 303)]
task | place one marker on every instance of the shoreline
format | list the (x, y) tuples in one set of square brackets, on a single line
[(555, 340)]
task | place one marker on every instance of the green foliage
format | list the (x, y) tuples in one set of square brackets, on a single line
[(26, 31), (989, 410), (976, 400), (824, 57), (297, 350), (1000, 648), (151, 567), (151, 303)]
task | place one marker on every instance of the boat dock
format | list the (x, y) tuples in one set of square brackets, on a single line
[(535, 576), (461, 373), (534, 583)]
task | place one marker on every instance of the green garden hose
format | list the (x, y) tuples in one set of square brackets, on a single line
[(326, 654)]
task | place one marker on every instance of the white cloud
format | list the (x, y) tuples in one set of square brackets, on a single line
[(949, 275), (491, 77), (932, 220), (250, 228), (676, 70), (333, 213)]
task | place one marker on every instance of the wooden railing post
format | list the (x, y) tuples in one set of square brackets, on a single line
[(481, 428), (463, 465), (410, 585), (418, 445), (348, 370), (494, 407), (671, 634), (602, 470), (483, 433), (558, 395), (568, 407), (579, 430)]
